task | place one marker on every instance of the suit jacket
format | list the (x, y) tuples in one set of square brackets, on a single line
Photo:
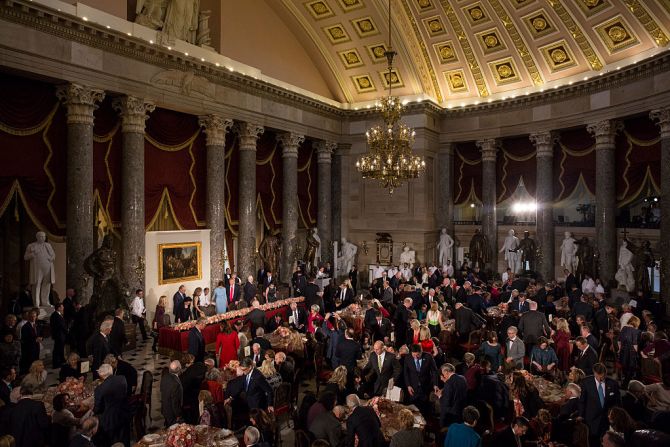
[(110, 405), (601, 320), (250, 292), (582, 308), (177, 303), (99, 349), (594, 414), (259, 392), (260, 276), (586, 360), (196, 344), (237, 291), (310, 293), (533, 325), (401, 324), (186, 313), (128, 371), (327, 426), (267, 281), (80, 441), (348, 352), (4, 392), (379, 331), (257, 319), (369, 318), (58, 327), (516, 352), (30, 348), (28, 422), (302, 319), (506, 438), (452, 401), (365, 424), (519, 306), (117, 338), (387, 296), (569, 409), (380, 379), (425, 379), (172, 398), (466, 320), (191, 381)]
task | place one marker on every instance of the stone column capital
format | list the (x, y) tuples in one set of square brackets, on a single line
[(604, 132), (489, 147), (249, 133), (662, 118), (324, 151), (80, 101), (215, 128), (290, 142), (544, 143), (134, 112)]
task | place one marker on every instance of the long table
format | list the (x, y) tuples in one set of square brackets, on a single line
[(171, 340)]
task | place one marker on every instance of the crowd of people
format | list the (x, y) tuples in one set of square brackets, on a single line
[(482, 361)]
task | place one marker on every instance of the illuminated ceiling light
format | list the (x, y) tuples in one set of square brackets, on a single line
[(169, 48), (151, 42), (85, 19), (217, 64), (185, 54), (202, 59), (109, 27), (472, 205)]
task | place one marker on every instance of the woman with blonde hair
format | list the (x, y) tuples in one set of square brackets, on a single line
[(414, 330), (433, 319), (408, 435), (159, 320), (628, 344), (337, 384), (270, 373), (209, 412), (36, 377), (561, 340), (425, 339)]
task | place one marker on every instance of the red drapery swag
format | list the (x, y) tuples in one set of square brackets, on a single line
[(107, 147), (516, 161), (467, 172), (574, 162), (307, 184), (269, 180)]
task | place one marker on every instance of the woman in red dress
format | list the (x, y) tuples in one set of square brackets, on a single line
[(227, 344), (562, 344), (425, 340)]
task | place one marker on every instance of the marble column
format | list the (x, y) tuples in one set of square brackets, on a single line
[(445, 182), (324, 218), (80, 102), (336, 189), (133, 112), (290, 143), (606, 237), (215, 128), (544, 146), (662, 116), (249, 134), (489, 216)]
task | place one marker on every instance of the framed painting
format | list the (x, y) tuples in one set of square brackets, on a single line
[(179, 262)]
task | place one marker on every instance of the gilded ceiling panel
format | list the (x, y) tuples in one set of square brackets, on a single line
[(445, 52), (456, 81), (319, 9), (558, 56), (363, 83), (539, 24), (616, 34), (490, 41), (504, 71)]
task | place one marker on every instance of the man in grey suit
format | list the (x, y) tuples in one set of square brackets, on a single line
[(515, 348), (328, 426), (172, 394), (533, 325)]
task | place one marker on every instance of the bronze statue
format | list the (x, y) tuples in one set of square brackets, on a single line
[(585, 259), (528, 249), (109, 290), (479, 249), (644, 259), (270, 252), (311, 249)]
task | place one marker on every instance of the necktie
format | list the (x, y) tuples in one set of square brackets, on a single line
[(601, 394), (380, 361), (295, 317), (246, 387), (418, 364)]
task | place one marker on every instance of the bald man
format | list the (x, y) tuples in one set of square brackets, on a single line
[(381, 368)]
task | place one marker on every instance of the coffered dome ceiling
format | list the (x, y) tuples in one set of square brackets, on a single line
[(467, 51)]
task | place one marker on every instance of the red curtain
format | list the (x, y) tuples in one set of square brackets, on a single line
[(638, 159), (307, 184), (269, 177), (467, 172), (107, 153), (232, 181), (516, 161), (574, 158), (33, 152)]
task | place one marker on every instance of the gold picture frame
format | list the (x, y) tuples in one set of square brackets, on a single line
[(179, 262)]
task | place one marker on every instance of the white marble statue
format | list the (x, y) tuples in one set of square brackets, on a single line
[(510, 248), (347, 256), (407, 257), (181, 20), (41, 256), (569, 248), (445, 248), (151, 13), (626, 273), (203, 37)]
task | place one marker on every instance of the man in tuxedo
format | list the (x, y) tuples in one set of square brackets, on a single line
[(602, 321), (256, 318), (381, 368), (233, 293), (402, 322), (59, 334), (250, 290), (570, 280), (345, 295), (452, 396), (348, 351), (258, 392), (298, 282), (100, 345), (110, 407), (586, 356), (511, 436), (196, 340), (381, 327), (30, 342), (299, 317), (172, 394), (117, 336), (89, 427), (269, 279), (515, 348), (28, 421), (311, 294), (599, 394), (420, 376), (178, 301)]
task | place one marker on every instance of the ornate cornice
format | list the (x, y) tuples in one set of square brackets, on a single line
[(662, 118), (134, 112), (81, 101), (290, 142), (249, 133), (215, 127), (544, 144)]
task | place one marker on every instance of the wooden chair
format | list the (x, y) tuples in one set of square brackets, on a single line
[(303, 438), (295, 388), (651, 371), (146, 390), (580, 435), (474, 340), (282, 404), (322, 373)]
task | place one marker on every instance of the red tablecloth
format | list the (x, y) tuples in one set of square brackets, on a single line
[(171, 340)]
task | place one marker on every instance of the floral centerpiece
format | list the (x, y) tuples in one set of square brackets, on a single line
[(181, 435), (76, 389)]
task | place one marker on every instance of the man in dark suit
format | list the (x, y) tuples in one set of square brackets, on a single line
[(100, 345), (89, 427), (387, 295), (263, 342), (258, 391), (420, 376), (178, 300), (298, 282), (328, 426), (570, 280), (582, 307), (269, 279), (348, 351), (364, 424), (256, 318), (466, 321), (299, 320), (601, 319), (30, 342), (570, 408), (28, 420), (59, 335), (521, 305), (257, 354), (402, 322), (311, 294), (381, 327), (125, 369), (191, 381), (381, 368), (172, 394), (586, 356), (233, 293), (260, 276), (394, 281), (345, 296), (599, 394), (533, 325), (117, 337), (110, 407), (250, 290), (196, 340), (285, 365), (511, 436), (353, 278), (585, 331), (8, 376), (452, 396)]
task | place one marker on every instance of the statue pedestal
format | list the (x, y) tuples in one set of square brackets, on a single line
[(45, 313)]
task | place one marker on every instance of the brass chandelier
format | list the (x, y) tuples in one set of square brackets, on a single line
[(390, 159)]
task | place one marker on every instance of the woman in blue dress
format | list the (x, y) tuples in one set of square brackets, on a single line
[(220, 298)]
